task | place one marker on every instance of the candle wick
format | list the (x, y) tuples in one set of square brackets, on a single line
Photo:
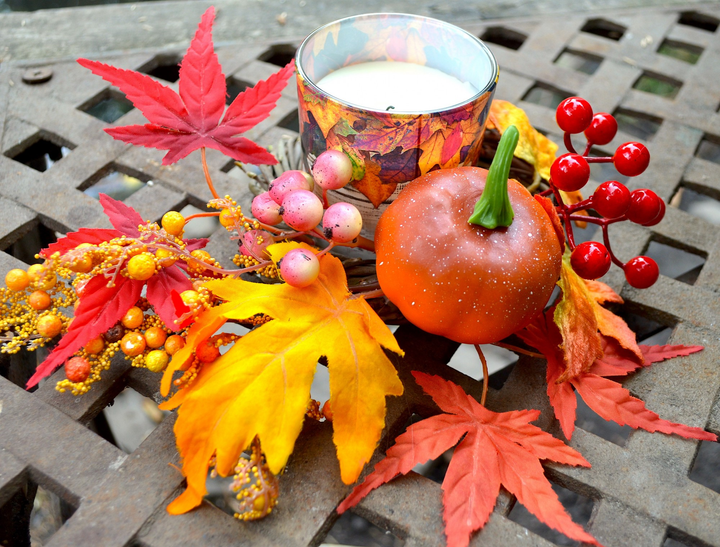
[(390, 108)]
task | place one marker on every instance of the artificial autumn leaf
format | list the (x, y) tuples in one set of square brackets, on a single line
[(99, 309), (261, 385), (533, 147), (498, 449), (93, 236), (372, 186), (159, 286), (554, 218), (580, 316), (184, 122), (124, 218), (605, 397)]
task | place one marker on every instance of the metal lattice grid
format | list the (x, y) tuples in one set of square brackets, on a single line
[(642, 487)]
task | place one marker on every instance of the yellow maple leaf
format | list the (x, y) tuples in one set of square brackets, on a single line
[(533, 147), (261, 385), (579, 316)]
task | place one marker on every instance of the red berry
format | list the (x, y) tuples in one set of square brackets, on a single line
[(574, 115), (659, 216), (590, 260), (602, 130), (611, 199), (645, 206), (641, 272), (631, 159), (570, 172)]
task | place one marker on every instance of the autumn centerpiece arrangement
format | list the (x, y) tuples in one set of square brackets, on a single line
[(464, 253)]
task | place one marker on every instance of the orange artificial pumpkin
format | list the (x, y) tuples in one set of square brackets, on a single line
[(468, 283)]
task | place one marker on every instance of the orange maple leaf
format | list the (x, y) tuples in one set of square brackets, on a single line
[(497, 448), (261, 385), (580, 316), (604, 396)]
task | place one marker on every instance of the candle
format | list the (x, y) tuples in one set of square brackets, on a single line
[(397, 86)]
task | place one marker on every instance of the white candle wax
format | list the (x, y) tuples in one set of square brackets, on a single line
[(406, 87)]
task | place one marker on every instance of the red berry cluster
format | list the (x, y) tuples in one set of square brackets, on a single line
[(612, 200)]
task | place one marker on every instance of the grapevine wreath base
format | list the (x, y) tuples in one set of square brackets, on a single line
[(465, 253)]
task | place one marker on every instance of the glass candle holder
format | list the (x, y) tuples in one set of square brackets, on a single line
[(438, 79)]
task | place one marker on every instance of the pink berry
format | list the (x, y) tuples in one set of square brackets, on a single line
[(299, 267), (254, 243), (287, 182), (332, 170), (301, 210), (266, 210), (342, 222)]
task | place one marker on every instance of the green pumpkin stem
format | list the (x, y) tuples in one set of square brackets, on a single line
[(493, 209)]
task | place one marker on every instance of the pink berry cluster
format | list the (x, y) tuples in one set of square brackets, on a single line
[(290, 199), (611, 200)]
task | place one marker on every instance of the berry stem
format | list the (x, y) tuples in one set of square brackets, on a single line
[(606, 239), (201, 215), (518, 349), (493, 209), (326, 203), (377, 293), (485, 374), (588, 147), (208, 179), (579, 206), (598, 159), (326, 249), (567, 139)]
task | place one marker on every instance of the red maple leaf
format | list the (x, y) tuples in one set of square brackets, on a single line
[(99, 309), (193, 119), (604, 396), (497, 449)]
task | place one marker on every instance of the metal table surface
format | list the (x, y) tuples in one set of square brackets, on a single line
[(642, 488)]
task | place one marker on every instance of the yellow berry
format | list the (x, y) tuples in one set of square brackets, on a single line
[(197, 266), (39, 300), (133, 318), (17, 280), (132, 344), (41, 277), (95, 345), (228, 217), (49, 326), (174, 344), (141, 267), (190, 297), (155, 337), (156, 360), (165, 258), (173, 223)]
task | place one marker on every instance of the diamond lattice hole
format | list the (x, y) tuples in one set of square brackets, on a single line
[(604, 28), (579, 507), (279, 55), (234, 88), (30, 244), (687, 53), (291, 122), (600, 172), (589, 421), (637, 124), (699, 20), (199, 227), (676, 263), (108, 106), (658, 84), (704, 469), (709, 149), (505, 37), (579, 61), (697, 204), (116, 184), (164, 68), (132, 418), (42, 154), (546, 95), (352, 529)]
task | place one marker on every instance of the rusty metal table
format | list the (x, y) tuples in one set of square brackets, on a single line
[(642, 488)]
